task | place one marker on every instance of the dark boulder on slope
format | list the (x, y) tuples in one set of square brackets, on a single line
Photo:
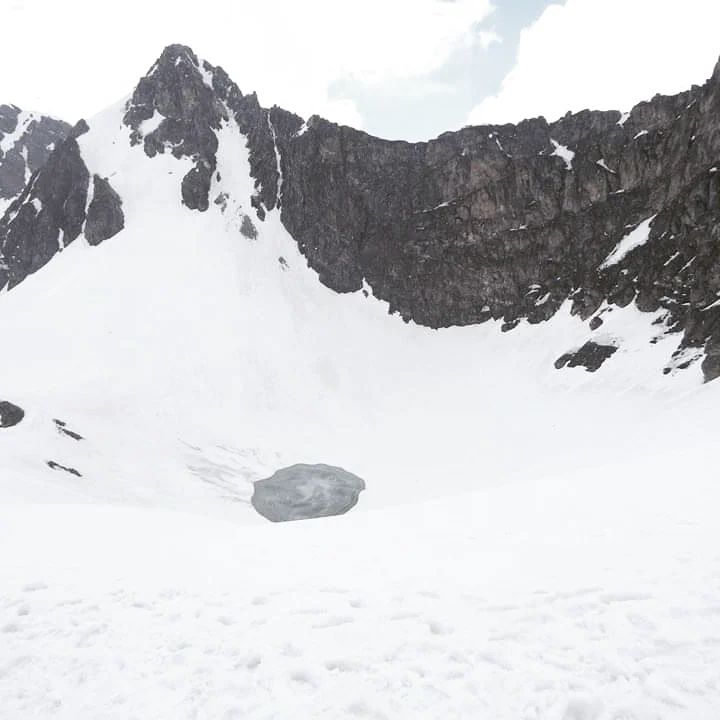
[(104, 216), (591, 356), (10, 415)]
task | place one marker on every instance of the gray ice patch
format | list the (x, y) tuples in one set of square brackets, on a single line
[(301, 492)]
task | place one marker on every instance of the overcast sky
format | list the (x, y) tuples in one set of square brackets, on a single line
[(396, 68)]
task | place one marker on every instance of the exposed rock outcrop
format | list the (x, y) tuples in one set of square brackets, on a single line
[(512, 221), (104, 216), (64, 468), (63, 429), (26, 141), (506, 221), (10, 415), (52, 211), (591, 356)]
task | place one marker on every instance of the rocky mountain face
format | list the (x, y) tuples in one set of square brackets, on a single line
[(26, 141), (505, 222)]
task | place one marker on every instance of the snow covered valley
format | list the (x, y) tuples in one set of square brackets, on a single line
[(532, 543)]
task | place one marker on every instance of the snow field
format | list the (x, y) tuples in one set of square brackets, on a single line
[(571, 598), (532, 543)]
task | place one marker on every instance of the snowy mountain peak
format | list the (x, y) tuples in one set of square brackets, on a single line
[(487, 223), (177, 88), (175, 108), (179, 106)]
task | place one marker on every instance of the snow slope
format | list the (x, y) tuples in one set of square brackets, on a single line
[(180, 335), (586, 597), (532, 543)]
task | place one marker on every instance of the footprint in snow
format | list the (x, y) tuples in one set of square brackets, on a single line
[(335, 621), (438, 628)]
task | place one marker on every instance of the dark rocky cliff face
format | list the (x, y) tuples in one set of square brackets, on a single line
[(26, 141), (53, 210), (503, 222), (494, 222)]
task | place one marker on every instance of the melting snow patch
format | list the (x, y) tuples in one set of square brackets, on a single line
[(207, 76), (24, 155), (632, 240), (671, 258), (601, 162), (640, 134), (501, 148), (445, 204), (563, 152), (151, 124), (278, 162), (623, 118), (9, 140)]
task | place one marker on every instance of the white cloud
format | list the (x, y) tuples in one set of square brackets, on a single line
[(606, 54), (486, 38), (73, 58)]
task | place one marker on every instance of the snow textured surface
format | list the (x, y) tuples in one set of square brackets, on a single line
[(576, 597)]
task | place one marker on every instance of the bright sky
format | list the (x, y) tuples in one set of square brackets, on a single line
[(397, 68)]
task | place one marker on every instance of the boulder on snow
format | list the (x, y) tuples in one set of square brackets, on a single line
[(301, 492), (105, 215), (10, 414), (591, 356)]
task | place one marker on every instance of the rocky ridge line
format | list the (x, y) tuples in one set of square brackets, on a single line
[(504, 221)]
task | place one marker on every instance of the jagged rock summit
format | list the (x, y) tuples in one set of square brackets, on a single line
[(504, 222)]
